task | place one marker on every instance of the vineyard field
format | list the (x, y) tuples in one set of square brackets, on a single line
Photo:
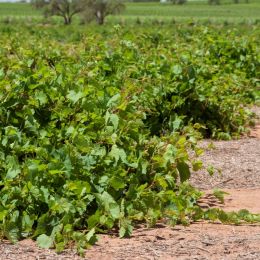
[(99, 125)]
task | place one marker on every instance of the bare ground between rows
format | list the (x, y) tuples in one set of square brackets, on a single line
[(239, 162), (198, 241)]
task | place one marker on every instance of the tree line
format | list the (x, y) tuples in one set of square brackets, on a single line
[(211, 2), (88, 9), (217, 2), (181, 2)]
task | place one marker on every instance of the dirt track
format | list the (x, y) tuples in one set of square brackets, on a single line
[(239, 161)]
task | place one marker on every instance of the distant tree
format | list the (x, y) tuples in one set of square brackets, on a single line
[(237, 1), (217, 2), (99, 9), (179, 2), (63, 8), (214, 2), (39, 3)]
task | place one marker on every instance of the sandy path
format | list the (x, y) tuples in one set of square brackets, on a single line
[(238, 161)]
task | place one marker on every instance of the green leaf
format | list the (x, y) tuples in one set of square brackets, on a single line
[(177, 69), (219, 194), (44, 241), (114, 100), (176, 124), (122, 231), (41, 97), (184, 171), (94, 219), (12, 231), (114, 210), (197, 165), (126, 228), (117, 182), (114, 120), (60, 247), (210, 170), (13, 172), (109, 204), (91, 236), (118, 153), (74, 96)]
